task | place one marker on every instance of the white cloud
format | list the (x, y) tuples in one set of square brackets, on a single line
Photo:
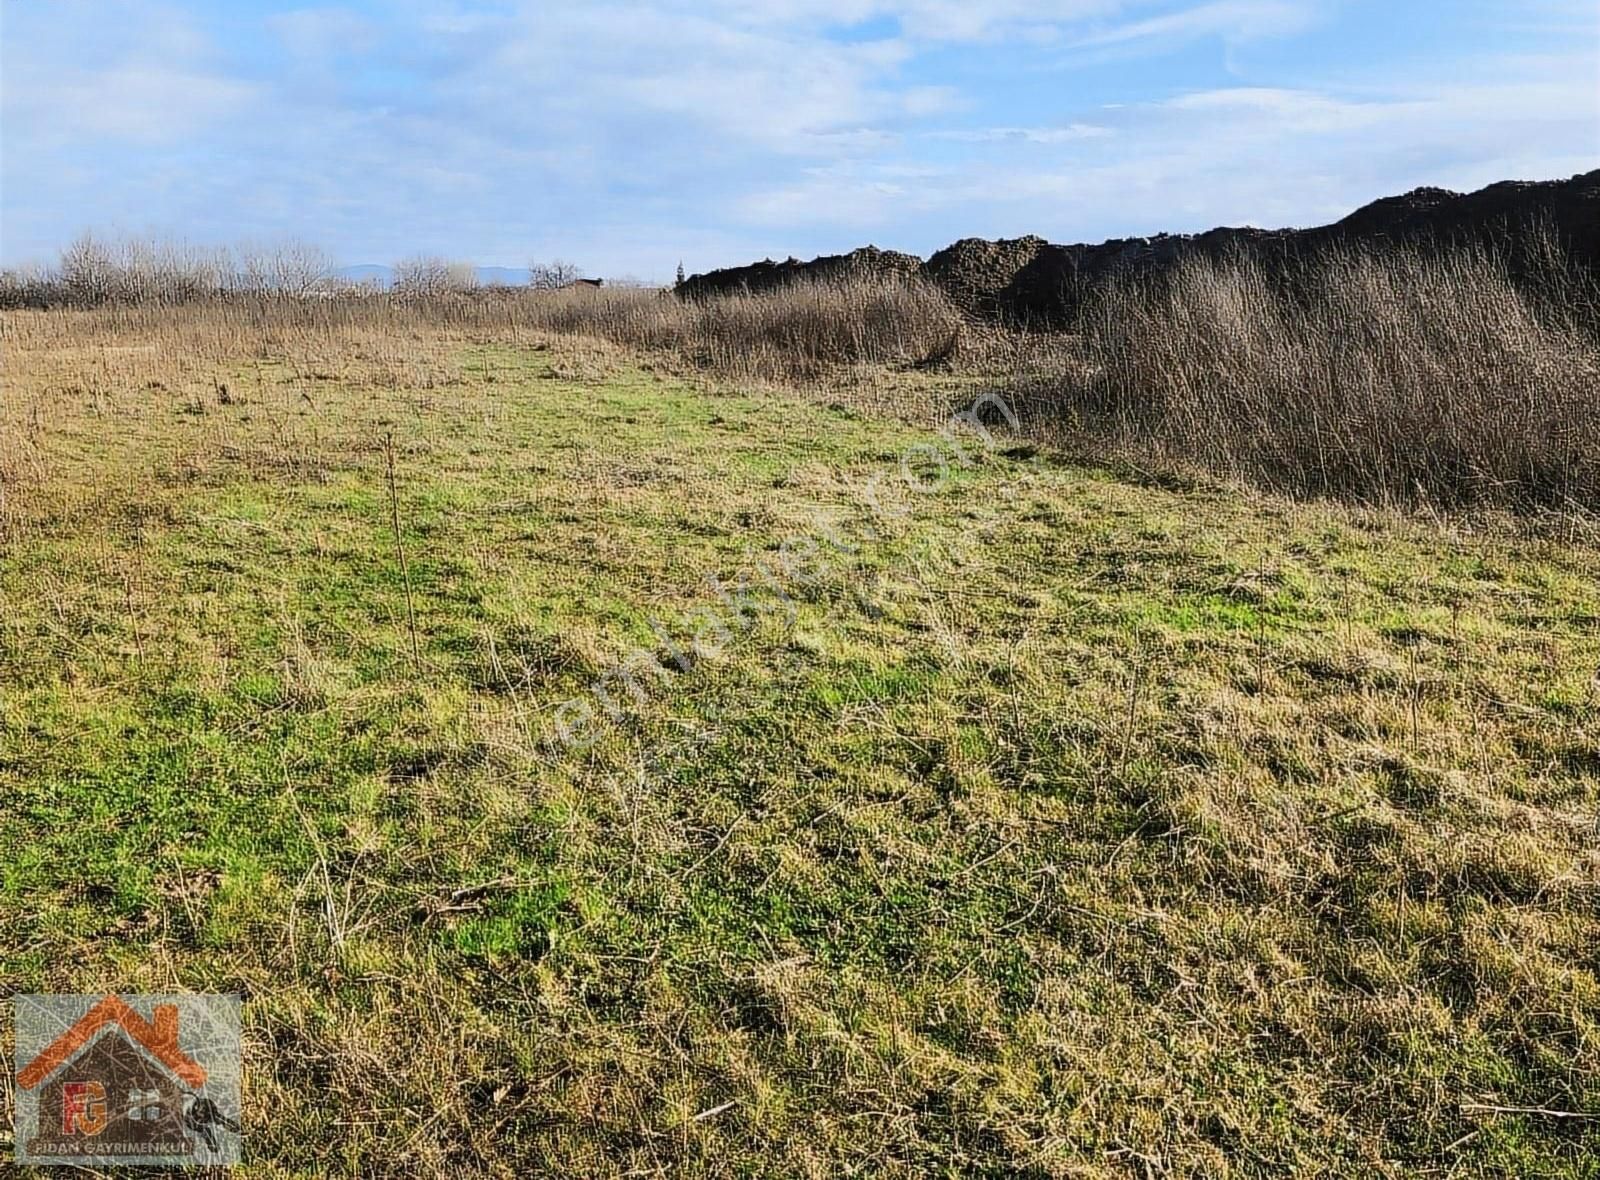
[(1067, 134), (316, 34), (147, 77), (1262, 156), (920, 20), (1234, 20), (605, 62), (920, 101), (959, 21), (1276, 111), (140, 101)]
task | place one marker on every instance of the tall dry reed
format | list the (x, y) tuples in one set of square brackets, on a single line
[(797, 331), (791, 334), (1396, 377)]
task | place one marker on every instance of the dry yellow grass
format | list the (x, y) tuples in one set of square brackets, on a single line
[(1393, 377)]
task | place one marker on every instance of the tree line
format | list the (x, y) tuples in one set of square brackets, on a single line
[(95, 270)]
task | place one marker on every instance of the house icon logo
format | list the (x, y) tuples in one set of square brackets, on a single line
[(143, 1080)]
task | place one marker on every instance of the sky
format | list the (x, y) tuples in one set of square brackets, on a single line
[(627, 135)]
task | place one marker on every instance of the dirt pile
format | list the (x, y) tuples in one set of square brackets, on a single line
[(978, 274), (1029, 282), (867, 262)]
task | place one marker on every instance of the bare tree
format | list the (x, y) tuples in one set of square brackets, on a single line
[(552, 276), (87, 270), (420, 276), (292, 268), (161, 271), (431, 275), (95, 270), (29, 285), (138, 270)]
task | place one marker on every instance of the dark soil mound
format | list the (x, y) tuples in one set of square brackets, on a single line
[(869, 261), (1028, 282), (978, 275)]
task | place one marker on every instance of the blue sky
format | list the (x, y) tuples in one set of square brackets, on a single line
[(627, 135)]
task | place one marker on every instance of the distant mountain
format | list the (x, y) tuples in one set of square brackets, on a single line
[(506, 276), (383, 276), (378, 276)]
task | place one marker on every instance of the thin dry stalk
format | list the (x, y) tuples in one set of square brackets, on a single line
[(400, 549)]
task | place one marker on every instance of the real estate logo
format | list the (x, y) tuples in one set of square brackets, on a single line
[(127, 1080)]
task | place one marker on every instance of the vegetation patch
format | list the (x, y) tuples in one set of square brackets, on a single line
[(1078, 824)]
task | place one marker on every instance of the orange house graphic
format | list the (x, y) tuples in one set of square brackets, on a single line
[(113, 1084)]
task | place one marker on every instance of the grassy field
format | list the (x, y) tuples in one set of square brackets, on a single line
[(1049, 821)]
